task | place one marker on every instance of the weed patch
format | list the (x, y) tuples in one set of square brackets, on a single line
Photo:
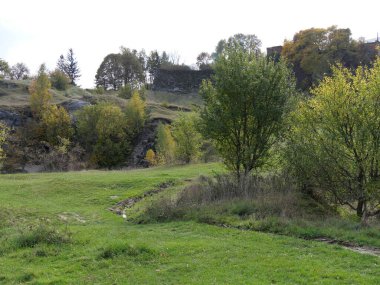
[(41, 234), (140, 252)]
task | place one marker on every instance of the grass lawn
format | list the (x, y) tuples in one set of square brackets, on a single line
[(105, 249)]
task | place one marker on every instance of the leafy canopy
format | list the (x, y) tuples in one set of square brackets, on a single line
[(334, 144), (245, 106)]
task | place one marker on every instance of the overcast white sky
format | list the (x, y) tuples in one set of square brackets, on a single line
[(38, 31)]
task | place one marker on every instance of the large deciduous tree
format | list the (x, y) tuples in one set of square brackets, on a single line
[(121, 69), (248, 43), (334, 143), (19, 71), (204, 60), (245, 106), (314, 50)]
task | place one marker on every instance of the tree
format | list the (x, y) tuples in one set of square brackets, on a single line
[(165, 60), (133, 72), (244, 107), (188, 139), (101, 131), (334, 143), (203, 61), (153, 64), (135, 114), (69, 66), (4, 68), (52, 123), (110, 73), (122, 69), (165, 145), (19, 71), (39, 92), (312, 51), (248, 43), (59, 80), (56, 123)]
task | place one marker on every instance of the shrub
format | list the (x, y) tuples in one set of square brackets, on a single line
[(115, 250), (188, 139), (215, 198), (136, 114), (165, 144), (102, 133), (59, 80), (334, 139), (56, 124), (125, 92), (150, 157), (42, 234)]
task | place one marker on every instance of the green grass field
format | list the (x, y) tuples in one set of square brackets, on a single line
[(88, 244)]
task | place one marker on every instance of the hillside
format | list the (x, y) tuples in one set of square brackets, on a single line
[(14, 96), (57, 229)]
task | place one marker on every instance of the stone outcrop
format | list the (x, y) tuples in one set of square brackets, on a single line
[(180, 81), (12, 117), (145, 141)]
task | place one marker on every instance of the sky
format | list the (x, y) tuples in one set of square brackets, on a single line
[(39, 31)]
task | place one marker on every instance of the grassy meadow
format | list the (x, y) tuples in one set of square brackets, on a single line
[(55, 228)]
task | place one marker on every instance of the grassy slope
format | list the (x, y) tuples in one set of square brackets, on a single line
[(15, 94), (175, 253)]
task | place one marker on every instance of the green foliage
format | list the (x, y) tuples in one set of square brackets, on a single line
[(4, 68), (41, 233), (187, 137), (165, 145), (56, 123), (150, 157), (136, 114), (59, 80), (40, 96), (335, 139), (69, 66), (125, 92), (204, 60), (248, 43), (141, 252), (52, 123), (312, 51), (121, 69), (101, 131), (19, 71), (244, 107)]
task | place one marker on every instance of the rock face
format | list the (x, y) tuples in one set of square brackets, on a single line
[(180, 81), (74, 105), (13, 117), (144, 142)]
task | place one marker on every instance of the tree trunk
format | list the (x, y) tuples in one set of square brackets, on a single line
[(360, 208)]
